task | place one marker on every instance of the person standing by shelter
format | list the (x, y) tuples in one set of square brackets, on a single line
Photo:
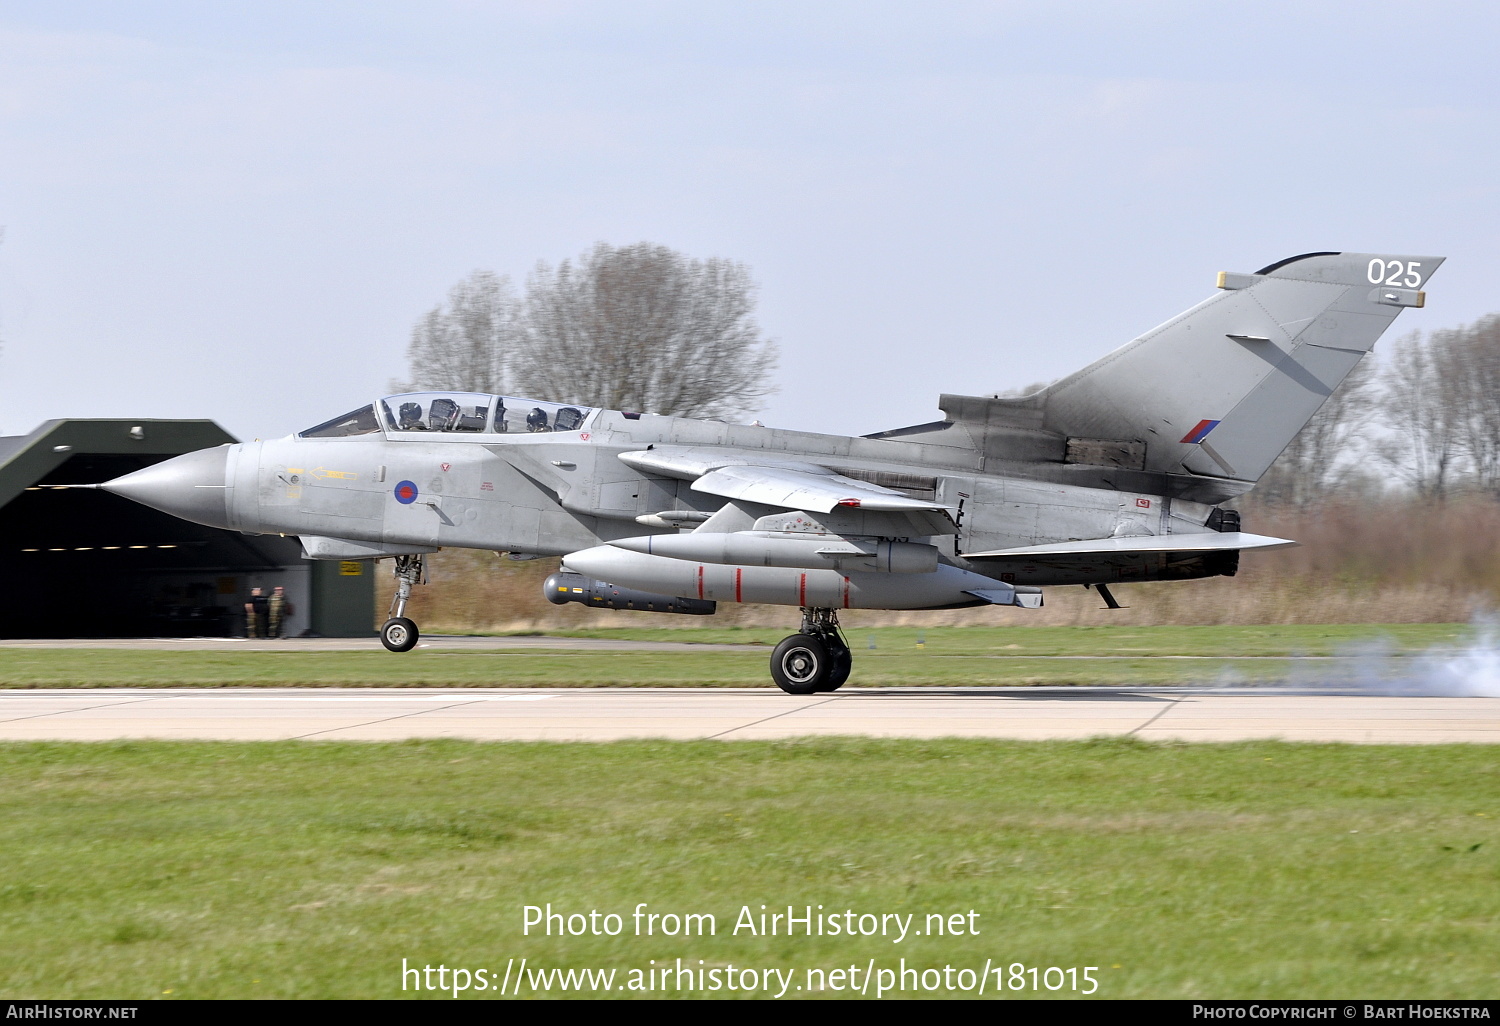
[(280, 608), (257, 614)]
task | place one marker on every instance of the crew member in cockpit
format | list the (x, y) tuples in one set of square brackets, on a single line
[(536, 420), (411, 418)]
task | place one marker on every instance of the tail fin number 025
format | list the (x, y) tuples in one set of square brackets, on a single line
[(1394, 272)]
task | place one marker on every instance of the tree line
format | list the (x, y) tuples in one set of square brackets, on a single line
[(1428, 420)]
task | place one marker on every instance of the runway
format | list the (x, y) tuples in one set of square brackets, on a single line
[(606, 714)]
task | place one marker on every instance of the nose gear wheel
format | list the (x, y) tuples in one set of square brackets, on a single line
[(400, 634)]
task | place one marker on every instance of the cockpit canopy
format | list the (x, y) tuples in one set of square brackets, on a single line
[(438, 411), (466, 412)]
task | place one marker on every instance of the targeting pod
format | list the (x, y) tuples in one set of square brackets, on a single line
[(566, 587)]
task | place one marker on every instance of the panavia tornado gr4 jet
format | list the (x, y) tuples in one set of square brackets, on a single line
[(1112, 474)]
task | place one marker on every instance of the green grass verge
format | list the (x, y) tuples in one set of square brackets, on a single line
[(1286, 639), (82, 668), (194, 870), (906, 657)]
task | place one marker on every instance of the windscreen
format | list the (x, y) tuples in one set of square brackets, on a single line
[(361, 422)]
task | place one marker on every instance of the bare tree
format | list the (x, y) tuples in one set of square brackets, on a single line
[(1425, 447), (1467, 360), (644, 328), (1438, 398), (466, 343), (1319, 459)]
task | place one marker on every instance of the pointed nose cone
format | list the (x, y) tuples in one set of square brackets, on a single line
[(192, 486)]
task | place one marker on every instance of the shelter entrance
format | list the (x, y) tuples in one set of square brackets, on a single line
[(88, 564)]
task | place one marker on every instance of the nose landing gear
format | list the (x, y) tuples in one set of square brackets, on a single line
[(398, 633), (814, 660)]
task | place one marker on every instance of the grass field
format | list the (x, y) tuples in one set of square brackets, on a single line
[(900, 656), (1281, 639), (190, 870)]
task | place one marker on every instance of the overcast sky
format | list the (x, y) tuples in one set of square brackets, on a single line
[(237, 210)]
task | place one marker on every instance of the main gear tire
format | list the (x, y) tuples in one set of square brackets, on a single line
[(841, 664), (399, 634), (801, 664)]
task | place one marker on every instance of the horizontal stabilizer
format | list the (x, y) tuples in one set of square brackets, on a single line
[(1207, 541)]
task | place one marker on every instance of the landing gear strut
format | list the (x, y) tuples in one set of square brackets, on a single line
[(400, 634), (815, 659)]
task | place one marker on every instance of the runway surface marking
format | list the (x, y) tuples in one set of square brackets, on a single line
[(603, 714), (1164, 710), (773, 716)]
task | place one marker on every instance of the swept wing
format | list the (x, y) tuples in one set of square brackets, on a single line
[(791, 485)]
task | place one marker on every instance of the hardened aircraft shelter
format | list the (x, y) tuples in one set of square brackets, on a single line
[(85, 563)]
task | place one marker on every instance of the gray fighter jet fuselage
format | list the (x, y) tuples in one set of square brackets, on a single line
[(1113, 474)]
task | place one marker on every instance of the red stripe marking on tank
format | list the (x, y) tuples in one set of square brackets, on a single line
[(738, 573), (700, 580), (846, 593), (801, 589)]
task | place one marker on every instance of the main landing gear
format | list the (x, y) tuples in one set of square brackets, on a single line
[(400, 634), (815, 659)]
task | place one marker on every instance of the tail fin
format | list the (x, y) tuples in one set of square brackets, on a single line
[(1220, 391)]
